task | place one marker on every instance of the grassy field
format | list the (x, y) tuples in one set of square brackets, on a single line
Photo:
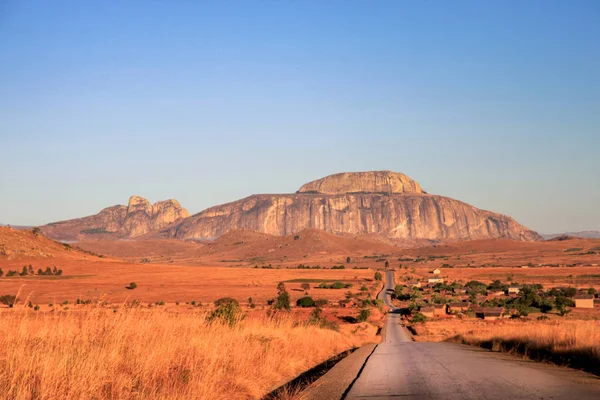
[(570, 342), (138, 353), (92, 279)]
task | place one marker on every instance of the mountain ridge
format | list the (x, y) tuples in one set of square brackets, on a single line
[(384, 203)]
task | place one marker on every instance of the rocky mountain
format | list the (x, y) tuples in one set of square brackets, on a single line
[(380, 202), (138, 218)]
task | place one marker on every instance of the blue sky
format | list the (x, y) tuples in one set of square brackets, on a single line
[(493, 103)]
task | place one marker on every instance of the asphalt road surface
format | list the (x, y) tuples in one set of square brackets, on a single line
[(402, 369)]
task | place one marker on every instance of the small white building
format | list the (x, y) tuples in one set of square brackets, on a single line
[(514, 289), (436, 271), (584, 301), (435, 280)]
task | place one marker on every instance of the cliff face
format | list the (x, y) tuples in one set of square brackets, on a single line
[(389, 204), (138, 218)]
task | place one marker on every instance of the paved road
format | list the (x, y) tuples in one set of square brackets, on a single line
[(402, 369)]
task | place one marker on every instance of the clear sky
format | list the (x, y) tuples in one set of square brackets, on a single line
[(493, 103)]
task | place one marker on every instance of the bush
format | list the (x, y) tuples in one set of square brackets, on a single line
[(228, 311), (131, 286), (378, 276), (321, 302), (8, 300), (418, 318), (305, 286), (363, 315), (306, 301), (336, 285), (225, 301)]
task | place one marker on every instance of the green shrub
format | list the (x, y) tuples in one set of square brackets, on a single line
[(306, 301), (363, 315), (131, 286), (227, 311), (418, 318), (378, 276)]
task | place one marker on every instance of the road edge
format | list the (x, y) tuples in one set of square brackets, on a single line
[(336, 383)]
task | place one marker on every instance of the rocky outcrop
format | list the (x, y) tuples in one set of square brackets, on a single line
[(138, 218), (363, 182), (379, 202)]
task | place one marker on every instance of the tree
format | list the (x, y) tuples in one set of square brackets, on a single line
[(24, 271), (591, 291), (1, 272), (348, 260), (305, 286), (378, 276), (387, 264), (282, 303), (36, 231), (131, 286), (560, 302)]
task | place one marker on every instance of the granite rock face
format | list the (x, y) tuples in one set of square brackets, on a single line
[(138, 218), (380, 202), (363, 182)]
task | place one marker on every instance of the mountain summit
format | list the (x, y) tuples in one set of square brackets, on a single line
[(375, 202), (363, 182), (138, 218)]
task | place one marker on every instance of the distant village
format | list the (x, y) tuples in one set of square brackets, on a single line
[(438, 298)]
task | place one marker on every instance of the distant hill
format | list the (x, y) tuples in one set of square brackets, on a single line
[(18, 244), (582, 234)]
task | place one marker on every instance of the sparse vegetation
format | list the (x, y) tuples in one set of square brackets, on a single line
[(363, 315)]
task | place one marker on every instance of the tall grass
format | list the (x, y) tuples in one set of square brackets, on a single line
[(134, 354), (574, 343)]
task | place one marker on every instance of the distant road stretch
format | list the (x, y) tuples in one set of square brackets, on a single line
[(402, 369)]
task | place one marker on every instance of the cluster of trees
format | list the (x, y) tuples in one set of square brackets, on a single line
[(28, 270)]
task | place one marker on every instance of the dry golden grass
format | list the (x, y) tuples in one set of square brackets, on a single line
[(566, 342), (152, 354)]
